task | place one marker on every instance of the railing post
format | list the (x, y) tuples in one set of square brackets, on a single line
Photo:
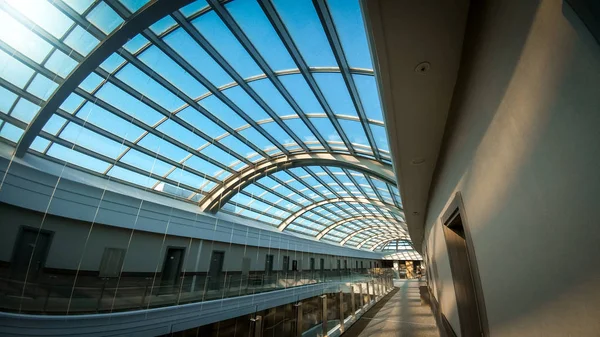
[(299, 321), (341, 306), (324, 315)]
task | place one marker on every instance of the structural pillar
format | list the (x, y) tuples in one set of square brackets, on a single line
[(341, 311), (324, 315), (299, 320), (353, 301)]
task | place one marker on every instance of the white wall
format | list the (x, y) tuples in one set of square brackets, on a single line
[(523, 148)]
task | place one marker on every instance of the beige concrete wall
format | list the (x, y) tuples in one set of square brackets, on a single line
[(73, 239), (524, 150)]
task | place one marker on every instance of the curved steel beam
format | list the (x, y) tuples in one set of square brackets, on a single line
[(386, 229), (343, 221), (378, 236), (299, 213), (221, 194), (142, 19)]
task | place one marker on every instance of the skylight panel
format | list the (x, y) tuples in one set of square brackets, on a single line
[(278, 133), (7, 99), (163, 25), (14, 71), (172, 72), (92, 141), (136, 43), (369, 97), (242, 100), (22, 39), (147, 163), (301, 20), (355, 132), (185, 136), (60, 64), (131, 177), (80, 6), (302, 94), (197, 57), (334, 89), (81, 40), (220, 110), (77, 158), (11, 132), (326, 129), (252, 20), (163, 147), (219, 36), (380, 136), (194, 117), (257, 138), (193, 8), (45, 15), (267, 91), (128, 104), (350, 27), (105, 18), (40, 144), (148, 87), (237, 146), (108, 121), (25, 110), (42, 87), (221, 156), (54, 124), (300, 129)]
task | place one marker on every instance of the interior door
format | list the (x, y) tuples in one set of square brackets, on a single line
[(32, 245), (171, 269), (464, 287), (216, 269)]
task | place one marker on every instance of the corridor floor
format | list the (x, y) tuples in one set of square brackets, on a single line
[(401, 313)]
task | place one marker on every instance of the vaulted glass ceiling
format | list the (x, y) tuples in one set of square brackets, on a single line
[(203, 96)]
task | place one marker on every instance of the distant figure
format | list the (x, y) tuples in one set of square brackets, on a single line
[(419, 272)]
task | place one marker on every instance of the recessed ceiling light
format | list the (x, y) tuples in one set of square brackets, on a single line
[(422, 67)]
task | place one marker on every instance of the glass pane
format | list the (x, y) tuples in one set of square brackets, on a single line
[(336, 93), (350, 28), (105, 18), (22, 39), (196, 56), (301, 20), (219, 36), (250, 17), (369, 96), (14, 71)]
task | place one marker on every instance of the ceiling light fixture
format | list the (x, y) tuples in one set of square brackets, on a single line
[(422, 67)]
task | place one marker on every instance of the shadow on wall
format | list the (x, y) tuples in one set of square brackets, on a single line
[(522, 146)]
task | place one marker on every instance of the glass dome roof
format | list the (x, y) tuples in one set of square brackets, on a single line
[(266, 109)]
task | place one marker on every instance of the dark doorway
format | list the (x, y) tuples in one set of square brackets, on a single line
[(268, 264), (294, 265), (463, 273), (312, 264), (216, 268), (32, 245), (286, 264), (322, 268), (356, 265), (171, 269)]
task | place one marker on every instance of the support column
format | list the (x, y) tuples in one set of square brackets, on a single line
[(353, 301), (324, 315), (341, 311), (372, 296), (299, 320), (257, 326)]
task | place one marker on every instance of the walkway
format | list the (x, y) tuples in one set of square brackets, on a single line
[(400, 313)]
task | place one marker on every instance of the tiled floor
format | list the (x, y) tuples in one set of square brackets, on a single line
[(401, 313)]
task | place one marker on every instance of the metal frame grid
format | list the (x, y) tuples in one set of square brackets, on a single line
[(180, 98)]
